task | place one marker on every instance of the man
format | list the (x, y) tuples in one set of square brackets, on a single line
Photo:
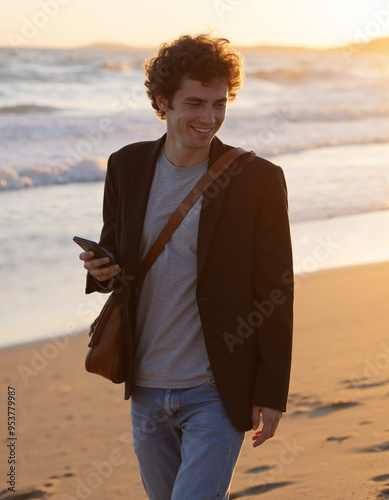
[(208, 333)]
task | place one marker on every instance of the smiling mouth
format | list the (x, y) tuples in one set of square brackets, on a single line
[(202, 130)]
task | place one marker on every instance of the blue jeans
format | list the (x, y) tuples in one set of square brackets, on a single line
[(186, 445)]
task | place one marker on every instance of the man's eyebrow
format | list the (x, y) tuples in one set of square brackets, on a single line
[(198, 99)]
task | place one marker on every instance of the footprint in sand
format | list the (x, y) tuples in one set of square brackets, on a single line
[(376, 448), (42, 491), (303, 400), (383, 477), (25, 494), (338, 439), (303, 404), (261, 468), (363, 383), (66, 474), (321, 411), (259, 490), (313, 407)]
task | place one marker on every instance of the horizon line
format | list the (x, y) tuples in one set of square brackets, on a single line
[(119, 45)]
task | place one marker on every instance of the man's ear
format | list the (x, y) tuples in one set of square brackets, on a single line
[(162, 103)]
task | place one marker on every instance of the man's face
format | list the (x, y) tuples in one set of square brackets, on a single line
[(197, 114)]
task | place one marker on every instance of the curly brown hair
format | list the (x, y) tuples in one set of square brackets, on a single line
[(201, 58)]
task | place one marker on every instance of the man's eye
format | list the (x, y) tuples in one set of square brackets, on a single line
[(220, 104)]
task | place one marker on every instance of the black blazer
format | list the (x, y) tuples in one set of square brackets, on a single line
[(244, 286)]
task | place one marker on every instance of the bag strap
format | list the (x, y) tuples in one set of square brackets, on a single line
[(220, 166)]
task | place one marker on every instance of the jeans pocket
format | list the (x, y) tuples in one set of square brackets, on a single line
[(211, 383)]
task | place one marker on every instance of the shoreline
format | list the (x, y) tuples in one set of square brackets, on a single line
[(305, 271), (56, 307), (74, 432)]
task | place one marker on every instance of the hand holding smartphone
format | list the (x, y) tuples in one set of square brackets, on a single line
[(98, 250)]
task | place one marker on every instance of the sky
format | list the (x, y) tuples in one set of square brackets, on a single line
[(148, 23)]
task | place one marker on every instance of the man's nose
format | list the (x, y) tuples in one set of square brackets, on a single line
[(207, 115)]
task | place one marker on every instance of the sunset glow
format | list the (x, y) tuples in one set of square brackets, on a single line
[(67, 23)]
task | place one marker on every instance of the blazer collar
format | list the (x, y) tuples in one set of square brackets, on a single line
[(150, 154)]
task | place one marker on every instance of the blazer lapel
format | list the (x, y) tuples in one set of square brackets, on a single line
[(211, 208), (138, 193)]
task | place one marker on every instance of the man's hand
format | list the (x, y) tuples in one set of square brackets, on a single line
[(93, 266), (271, 419)]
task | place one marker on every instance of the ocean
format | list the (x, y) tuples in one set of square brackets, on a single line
[(323, 117)]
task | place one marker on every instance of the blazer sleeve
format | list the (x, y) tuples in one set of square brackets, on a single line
[(108, 236), (273, 287)]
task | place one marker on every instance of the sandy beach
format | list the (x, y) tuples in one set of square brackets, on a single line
[(73, 431)]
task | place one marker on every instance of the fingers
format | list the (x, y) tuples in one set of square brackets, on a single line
[(256, 417), (266, 433), (271, 419), (86, 255), (102, 273), (95, 269)]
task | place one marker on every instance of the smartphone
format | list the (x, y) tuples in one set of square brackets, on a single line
[(98, 250)]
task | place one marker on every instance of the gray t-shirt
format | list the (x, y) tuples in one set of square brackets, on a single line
[(171, 351)]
